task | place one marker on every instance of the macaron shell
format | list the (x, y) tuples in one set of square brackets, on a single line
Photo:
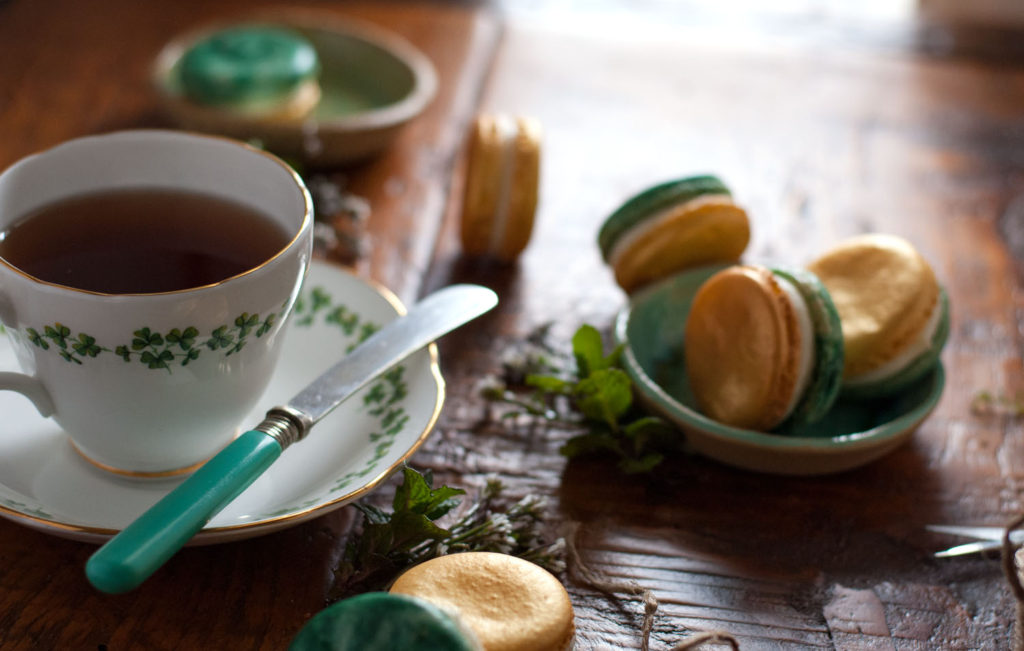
[(379, 621), (484, 192), (884, 291), (525, 190), (509, 603), (827, 376), (293, 108), (247, 63), (917, 369), (701, 231), (741, 348), (652, 200)]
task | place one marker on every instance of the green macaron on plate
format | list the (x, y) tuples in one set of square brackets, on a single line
[(371, 83), (853, 432)]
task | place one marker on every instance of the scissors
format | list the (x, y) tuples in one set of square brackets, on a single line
[(986, 539)]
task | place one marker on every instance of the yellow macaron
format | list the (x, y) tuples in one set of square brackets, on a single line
[(509, 603), (502, 186), (671, 227), (895, 314), (763, 348)]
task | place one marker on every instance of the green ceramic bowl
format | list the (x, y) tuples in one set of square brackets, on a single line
[(372, 83), (852, 433)]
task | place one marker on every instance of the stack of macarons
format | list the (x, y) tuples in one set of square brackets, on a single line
[(259, 71), (772, 348), (501, 186)]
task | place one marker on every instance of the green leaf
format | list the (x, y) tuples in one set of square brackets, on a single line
[(68, 357), (590, 443), (184, 340), (372, 513), (416, 495), (588, 350), (220, 338), (320, 298), (267, 324), (409, 529), (86, 346), (36, 338), (604, 396), (386, 543), (601, 403), (58, 333), (549, 383), (647, 428), (646, 463), (614, 358), (367, 330), (158, 360)]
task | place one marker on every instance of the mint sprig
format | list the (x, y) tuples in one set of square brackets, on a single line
[(594, 395), (386, 542)]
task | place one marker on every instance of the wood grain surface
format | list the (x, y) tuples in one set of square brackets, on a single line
[(822, 134), (824, 123), (69, 69)]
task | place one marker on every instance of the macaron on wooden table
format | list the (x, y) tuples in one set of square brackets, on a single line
[(808, 126)]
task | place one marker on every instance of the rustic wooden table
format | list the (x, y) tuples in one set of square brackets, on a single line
[(824, 123)]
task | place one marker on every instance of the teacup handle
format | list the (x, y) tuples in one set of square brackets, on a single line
[(29, 387)]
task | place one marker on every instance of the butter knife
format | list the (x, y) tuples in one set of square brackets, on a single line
[(130, 557)]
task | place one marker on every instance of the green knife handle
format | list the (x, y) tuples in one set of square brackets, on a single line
[(140, 549)]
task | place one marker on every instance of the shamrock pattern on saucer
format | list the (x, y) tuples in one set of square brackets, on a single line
[(373, 433)]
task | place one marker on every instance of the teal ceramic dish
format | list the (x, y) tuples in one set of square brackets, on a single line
[(372, 83), (854, 432)]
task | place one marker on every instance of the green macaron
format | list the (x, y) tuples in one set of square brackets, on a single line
[(912, 372), (382, 621), (764, 348), (247, 64), (670, 227), (894, 310), (827, 376)]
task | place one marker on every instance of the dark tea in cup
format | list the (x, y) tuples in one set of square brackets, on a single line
[(141, 241), (146, 278)]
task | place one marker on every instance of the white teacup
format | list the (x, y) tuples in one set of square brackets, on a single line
[(83, 353)]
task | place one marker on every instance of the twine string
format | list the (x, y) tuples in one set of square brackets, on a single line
[(603, 583), (1012, 572), (1009, 566)]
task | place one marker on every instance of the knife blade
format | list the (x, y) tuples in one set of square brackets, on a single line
[(130, 557)]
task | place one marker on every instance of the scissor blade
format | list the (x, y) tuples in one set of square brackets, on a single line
[(970, 548), (979, 533)]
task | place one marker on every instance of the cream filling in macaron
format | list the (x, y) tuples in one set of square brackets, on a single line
[(656, 221), (920, 345), (507, 130), (806, 351)]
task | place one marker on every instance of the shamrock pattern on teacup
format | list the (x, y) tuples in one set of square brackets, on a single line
[(177, 346)]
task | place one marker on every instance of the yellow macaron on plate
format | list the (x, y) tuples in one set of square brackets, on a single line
[(368, 84), (855, 430)]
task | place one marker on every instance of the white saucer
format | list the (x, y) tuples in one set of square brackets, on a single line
[(46, 485)]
